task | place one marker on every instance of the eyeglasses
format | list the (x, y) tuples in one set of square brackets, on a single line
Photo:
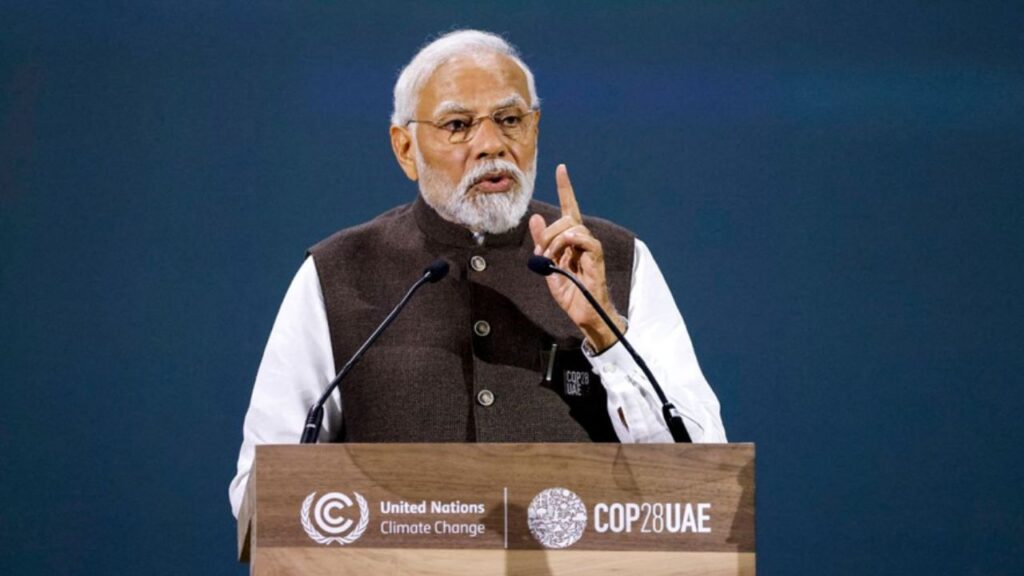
[(461, 128)]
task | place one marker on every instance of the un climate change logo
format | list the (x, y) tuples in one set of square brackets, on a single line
[(557, 518), (327, 517)]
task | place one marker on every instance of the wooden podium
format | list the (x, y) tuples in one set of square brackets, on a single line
[(499, 509)]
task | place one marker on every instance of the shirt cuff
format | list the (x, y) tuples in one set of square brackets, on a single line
[(614, 358)]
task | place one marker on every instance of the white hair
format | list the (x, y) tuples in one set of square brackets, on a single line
[(433, 55)]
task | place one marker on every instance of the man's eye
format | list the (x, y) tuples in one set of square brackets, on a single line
[(510, 121), (455, 125)]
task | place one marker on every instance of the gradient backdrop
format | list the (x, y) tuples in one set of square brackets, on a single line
[(833, 191)]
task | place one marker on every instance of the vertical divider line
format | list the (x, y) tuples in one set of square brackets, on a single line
[(506, 517)]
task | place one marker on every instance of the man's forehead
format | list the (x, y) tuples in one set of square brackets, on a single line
[(473, 83)]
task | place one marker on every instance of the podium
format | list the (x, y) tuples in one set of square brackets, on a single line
[(543, 509)]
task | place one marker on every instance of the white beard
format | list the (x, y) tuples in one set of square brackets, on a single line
[(490, 213)]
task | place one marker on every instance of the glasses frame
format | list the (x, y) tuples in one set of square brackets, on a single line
[(474, 125)]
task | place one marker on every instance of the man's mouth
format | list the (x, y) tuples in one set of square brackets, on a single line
[(494, 182)]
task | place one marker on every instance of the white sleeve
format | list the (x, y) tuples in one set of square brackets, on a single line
[(657, 332), (297, 365)]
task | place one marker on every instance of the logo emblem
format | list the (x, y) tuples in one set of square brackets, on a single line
[(577, 383), (557, 518), (328, 517)]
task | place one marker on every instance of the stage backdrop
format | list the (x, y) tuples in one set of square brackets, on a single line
[(833, 191)]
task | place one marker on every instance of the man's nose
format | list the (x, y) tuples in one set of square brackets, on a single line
[(489, 142)]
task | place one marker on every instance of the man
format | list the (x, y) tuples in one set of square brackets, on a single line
[(490, 353)]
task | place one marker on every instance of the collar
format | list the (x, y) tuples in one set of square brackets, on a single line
[(437, 228)]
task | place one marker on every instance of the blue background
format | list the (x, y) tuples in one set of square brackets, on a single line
[(833, 191)]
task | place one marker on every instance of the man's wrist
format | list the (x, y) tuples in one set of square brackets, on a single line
[(600, 337)]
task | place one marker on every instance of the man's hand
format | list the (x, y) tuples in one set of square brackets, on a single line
[(568, 242)]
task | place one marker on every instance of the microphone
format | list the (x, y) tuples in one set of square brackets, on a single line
[(545, 267), (311, 432), (434, 273)]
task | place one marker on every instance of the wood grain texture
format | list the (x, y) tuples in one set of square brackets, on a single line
[(649, 475), (363, 561)]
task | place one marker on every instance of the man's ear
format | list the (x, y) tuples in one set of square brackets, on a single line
[(402, 146)]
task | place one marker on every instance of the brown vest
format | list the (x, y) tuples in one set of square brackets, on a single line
[(431, 374)]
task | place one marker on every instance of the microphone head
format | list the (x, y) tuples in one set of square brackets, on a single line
[(541, 265), (436, 271)]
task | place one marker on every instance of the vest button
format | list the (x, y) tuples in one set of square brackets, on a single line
[(481, 328), (478, 263), (485, 397)]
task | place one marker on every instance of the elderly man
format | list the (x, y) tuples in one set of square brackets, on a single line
[(492, 353)]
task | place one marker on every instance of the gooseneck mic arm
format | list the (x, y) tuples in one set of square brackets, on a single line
[(315, 418), (545, 267)]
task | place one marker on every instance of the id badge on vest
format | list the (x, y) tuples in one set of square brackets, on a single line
[(568, 372)]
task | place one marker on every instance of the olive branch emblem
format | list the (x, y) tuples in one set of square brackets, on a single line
[(316, 536)]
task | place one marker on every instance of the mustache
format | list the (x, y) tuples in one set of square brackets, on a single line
[(490, 168)]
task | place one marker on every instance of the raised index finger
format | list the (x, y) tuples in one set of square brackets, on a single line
[(566, 197)]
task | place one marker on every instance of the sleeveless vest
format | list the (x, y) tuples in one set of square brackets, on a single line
[(470, 357)]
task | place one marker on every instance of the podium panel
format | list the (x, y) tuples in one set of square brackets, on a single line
[(500, 509)]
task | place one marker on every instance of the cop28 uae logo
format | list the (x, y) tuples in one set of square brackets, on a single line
[(557, 518), (328, 517)]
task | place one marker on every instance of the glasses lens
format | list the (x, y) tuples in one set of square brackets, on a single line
[(513, 125)]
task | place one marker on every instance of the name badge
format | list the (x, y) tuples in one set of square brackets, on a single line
[(568, 371), (577, 383)]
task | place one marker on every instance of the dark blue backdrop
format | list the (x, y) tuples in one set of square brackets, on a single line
[(832, 190)]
